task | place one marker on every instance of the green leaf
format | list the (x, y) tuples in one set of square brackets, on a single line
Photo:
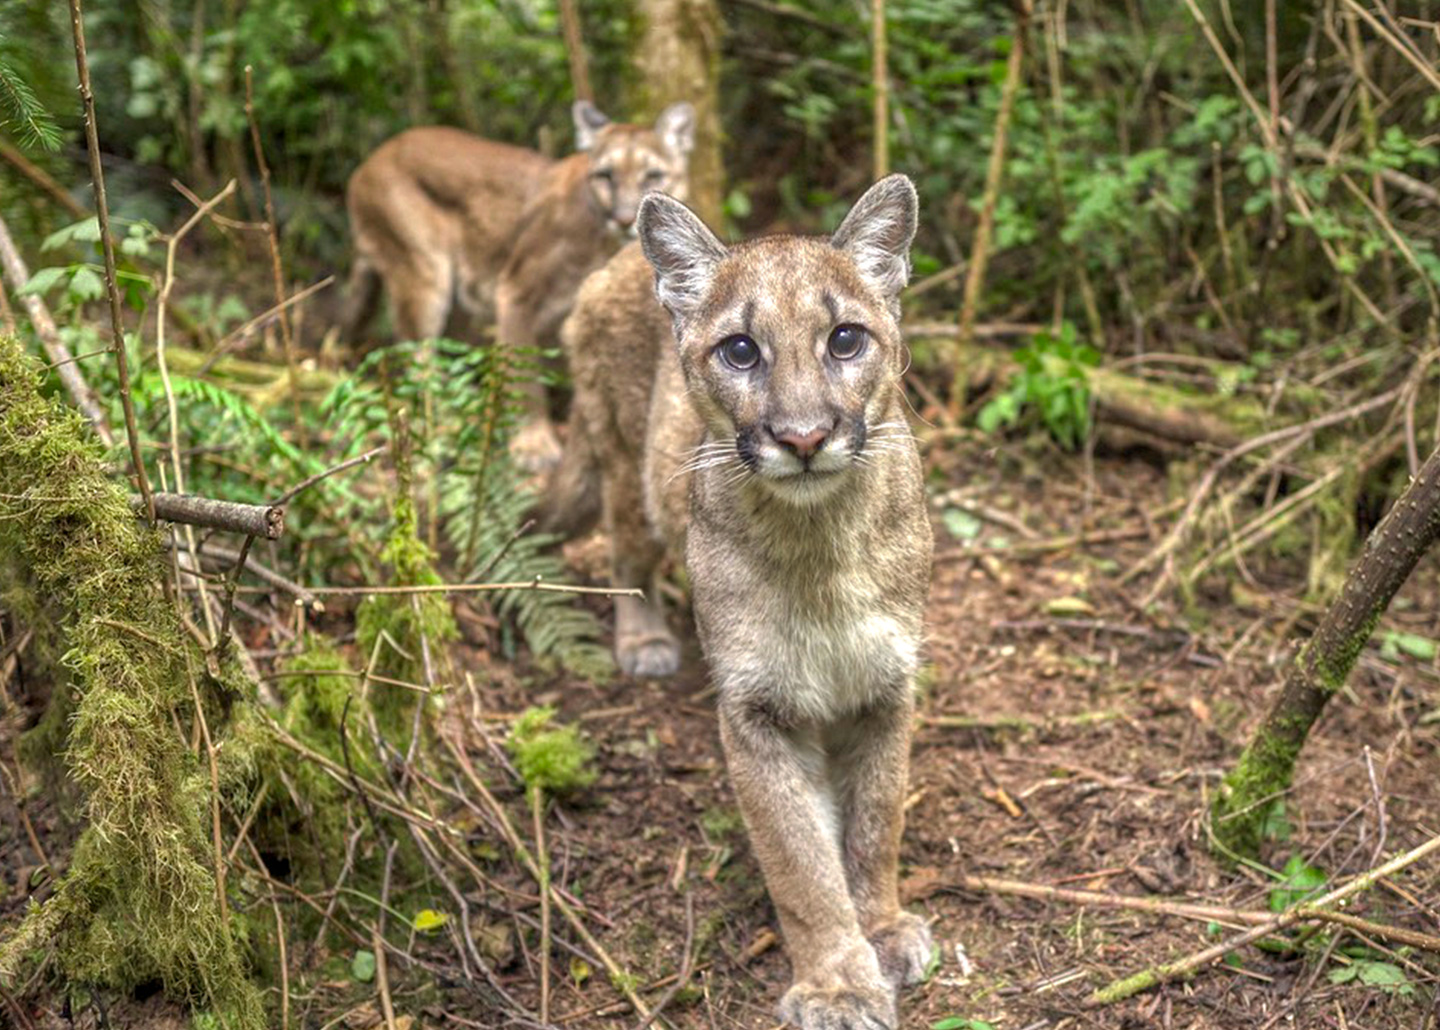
[(428, 919), (1069, 606), (1417, 647), (961, 524), (43, 281), (362, 967), (960, 1023), (1301, 881), (86, 285), (87, 230)]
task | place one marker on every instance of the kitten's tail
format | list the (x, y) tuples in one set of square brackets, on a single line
[(570, 506)]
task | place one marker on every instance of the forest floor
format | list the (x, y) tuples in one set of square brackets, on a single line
[(1067, 738)]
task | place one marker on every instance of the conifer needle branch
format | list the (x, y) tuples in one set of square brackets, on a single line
[(112, 289)]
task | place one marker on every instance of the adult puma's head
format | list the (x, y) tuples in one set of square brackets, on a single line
[(629, 161), (791, 346)]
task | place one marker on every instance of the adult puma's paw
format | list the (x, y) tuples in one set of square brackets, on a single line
[(648, 656), (904, 948), (536, 446), (853, 996)]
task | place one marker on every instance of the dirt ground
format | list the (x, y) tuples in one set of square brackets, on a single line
[(1067, 738)]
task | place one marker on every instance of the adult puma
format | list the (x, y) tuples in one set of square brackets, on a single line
[(755, 413), (444, 219)]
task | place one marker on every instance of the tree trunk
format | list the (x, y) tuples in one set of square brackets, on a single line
[(679, 59), (1320, 669)]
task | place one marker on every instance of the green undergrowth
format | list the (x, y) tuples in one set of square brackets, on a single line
[(138, 902), (549, 756)]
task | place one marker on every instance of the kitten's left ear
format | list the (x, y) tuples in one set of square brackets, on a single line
[(681, 249), (878, 231)]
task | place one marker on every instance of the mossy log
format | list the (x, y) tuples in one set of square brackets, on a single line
[(139, 901), (1267, 765), (1177, 416)]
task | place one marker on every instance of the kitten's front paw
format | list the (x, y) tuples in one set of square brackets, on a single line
[(536, 447), (652, 656), (854, 997), (904, 948)]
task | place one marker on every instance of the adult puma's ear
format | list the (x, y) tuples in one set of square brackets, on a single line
[(878, 231), (676, 126), (683, 252), (589, 120)]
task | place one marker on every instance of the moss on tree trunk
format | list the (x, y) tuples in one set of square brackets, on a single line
[(1267, 765), (138, 902)]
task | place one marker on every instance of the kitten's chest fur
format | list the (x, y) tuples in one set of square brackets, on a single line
[(816, 613)]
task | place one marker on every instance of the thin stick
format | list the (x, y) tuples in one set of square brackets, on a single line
[(214, 798), (1147, 978), (230, 583), (687, 961), (177, 462), (267, 520), (40, 177), (618, 977), (1187, 910), (13, 267), (305, 484), (880, 84), (243, 332), (470, 588), (537, 811), (1406, 52), (273, 236), (579, 66), (994, 174), (102, 215), (280, 940)]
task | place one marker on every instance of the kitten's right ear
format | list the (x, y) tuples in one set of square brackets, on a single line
[(589, 120), (683, 252)]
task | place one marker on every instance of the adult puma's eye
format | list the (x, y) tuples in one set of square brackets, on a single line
[(740, 352), (847, 341), (653, 176), (603, 174)]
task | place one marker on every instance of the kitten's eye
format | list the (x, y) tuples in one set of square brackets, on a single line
[(603, 174), (653, 176), (847, 341), (739, 352)]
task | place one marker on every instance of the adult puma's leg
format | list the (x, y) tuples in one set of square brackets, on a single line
[(536, 445), (870, 768), (644, 645), (421, 294), (784, 791)]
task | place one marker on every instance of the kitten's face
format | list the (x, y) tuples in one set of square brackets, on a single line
[(790, 345), (629, 161)]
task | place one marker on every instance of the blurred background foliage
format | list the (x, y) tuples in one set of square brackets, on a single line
[(1139, 193)]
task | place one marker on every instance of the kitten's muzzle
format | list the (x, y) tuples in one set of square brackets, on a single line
[(803, 443)]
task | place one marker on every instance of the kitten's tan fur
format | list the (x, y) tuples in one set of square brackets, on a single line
[(445, 220), (809, 561)]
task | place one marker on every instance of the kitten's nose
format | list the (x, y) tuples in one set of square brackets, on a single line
[(803, 444)]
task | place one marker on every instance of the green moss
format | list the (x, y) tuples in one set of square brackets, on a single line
[(555, 760), (138, 901)]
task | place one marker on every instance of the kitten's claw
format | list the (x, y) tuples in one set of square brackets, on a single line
[(904, 947)]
